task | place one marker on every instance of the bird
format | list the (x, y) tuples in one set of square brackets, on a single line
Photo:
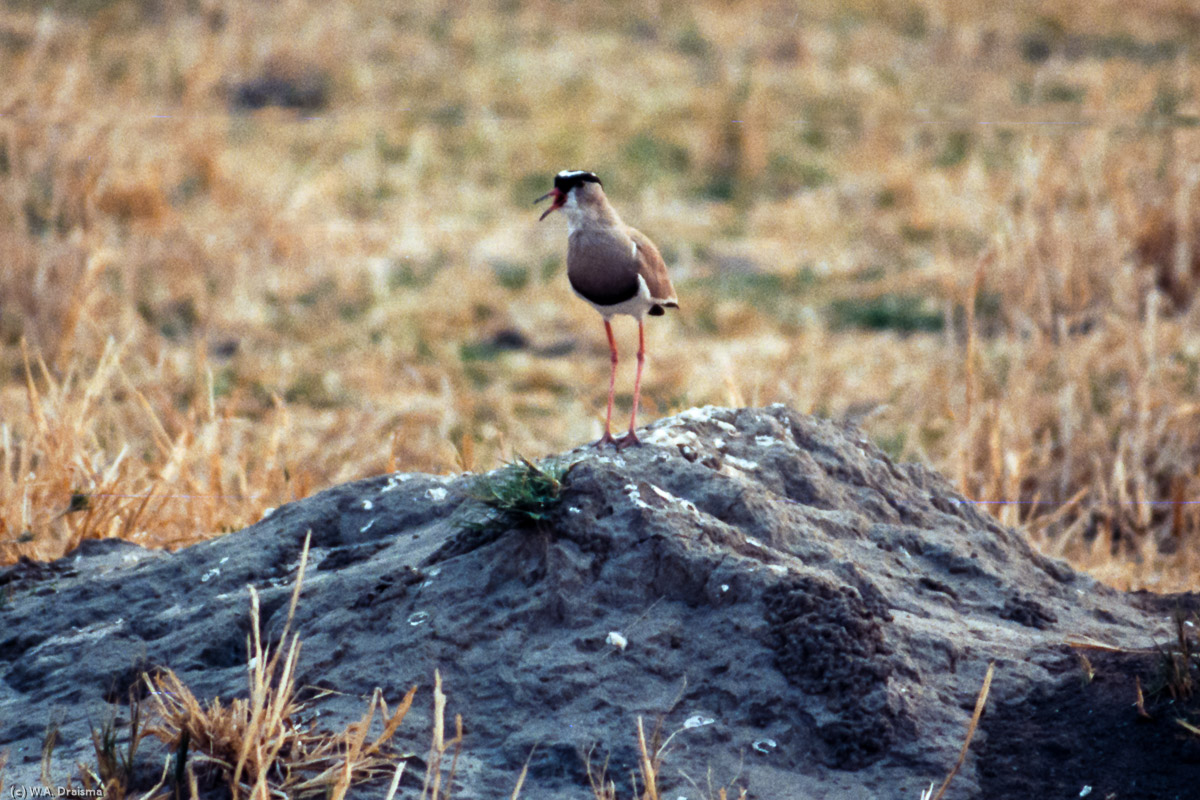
[(615, 268)]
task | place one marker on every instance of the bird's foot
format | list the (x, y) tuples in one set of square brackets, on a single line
[(629, 440), (607, 438)]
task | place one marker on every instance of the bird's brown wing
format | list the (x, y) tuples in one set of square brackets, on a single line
[(653, 269)]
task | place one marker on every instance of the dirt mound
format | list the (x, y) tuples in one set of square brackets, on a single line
[(809, 618)]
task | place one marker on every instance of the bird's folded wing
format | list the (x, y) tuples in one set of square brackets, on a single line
[(653, 269)]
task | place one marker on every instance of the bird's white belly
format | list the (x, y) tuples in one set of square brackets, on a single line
[(636, 306)]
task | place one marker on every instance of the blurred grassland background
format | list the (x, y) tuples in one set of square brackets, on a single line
[(252, 250)]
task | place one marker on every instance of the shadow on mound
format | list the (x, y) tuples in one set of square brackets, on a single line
[(1089, 732)]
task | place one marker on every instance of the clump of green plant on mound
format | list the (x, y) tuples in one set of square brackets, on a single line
[(520, 494)]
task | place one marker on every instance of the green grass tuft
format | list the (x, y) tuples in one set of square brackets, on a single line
[(897, 312), (513, 277), (520, 494)]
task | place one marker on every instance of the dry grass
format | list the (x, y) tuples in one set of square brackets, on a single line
[(262, 747), (259, 745), (643, 784), (438, 785), (972, 726), (115, 768), (205, 313)]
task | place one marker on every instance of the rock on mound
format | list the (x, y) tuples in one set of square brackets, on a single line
[(813, 619)]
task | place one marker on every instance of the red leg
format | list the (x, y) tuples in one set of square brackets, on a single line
[(631, 437), (612, 385)]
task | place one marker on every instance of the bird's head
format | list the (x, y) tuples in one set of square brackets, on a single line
[(566, 182)]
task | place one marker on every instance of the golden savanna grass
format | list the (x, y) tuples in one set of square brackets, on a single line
[(945, 219)]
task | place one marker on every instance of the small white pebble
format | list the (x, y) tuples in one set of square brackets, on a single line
[(367, 505), (1085, 791), (724, 587), (223, 560), (750, 540), (436, 493), (778, 569), (573, 510), (698, 721), (212, 573), (616, 640), (267, 512)]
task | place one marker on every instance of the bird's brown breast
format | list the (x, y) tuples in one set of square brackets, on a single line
[(602, 266)]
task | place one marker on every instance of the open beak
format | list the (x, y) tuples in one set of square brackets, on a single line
[(559, 199)]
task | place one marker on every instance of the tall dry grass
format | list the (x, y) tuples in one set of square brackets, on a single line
[(956, 215)]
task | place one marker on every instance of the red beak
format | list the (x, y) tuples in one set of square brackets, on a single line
[(559, 199)]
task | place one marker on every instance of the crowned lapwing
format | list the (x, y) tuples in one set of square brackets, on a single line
[(613, 267)]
